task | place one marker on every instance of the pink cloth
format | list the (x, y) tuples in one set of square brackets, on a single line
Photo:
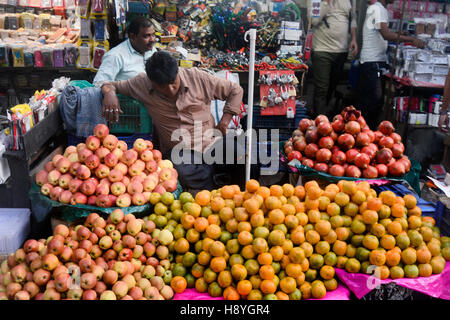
[(437, 286), (341, 293)]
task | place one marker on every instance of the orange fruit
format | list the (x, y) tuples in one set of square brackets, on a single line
[(276, 253), (266, 272), (224, 278), (387, 241), (393, 258), (288, 285), (245, 238), (265, 258), (231, 225), (429, 220), (260, 245), (247, 252), (227, 192), (231, 293), (349, 187), (410, 201), (388, 197), (374, 204), (181, 245), (288, 190), (327, 272), (244, 287), (203, 197), (311, 183), (268, 286), (297, 237), (251, 205), (323, 227), (276, 216), (363, 186), (293, 270), (263, 192), (178, 284), (214, 219), (257, 220), (339, 247), (213, 231), (342, 233), (276, 190), (311, 204), (397, 210), (201, 285), (314, 216), (400, 200), (281, 295), (423, 255), (203, 258), (409, 256), (217, 203), (218, 264), (370, 216), (312, 237), (217, 249), (288, 209), (394, 228), (187, 221), (416, 211), (239, 272), (252, 185), (201, 224), (342, 199), (300, 192), (244, 226), (314, 193), (377, 257)]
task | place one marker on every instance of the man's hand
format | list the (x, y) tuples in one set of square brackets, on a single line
[(224, 122), (443, 122), (419, 43), (354, 48), (111, 106)]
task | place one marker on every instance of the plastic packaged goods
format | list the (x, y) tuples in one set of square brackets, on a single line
[(85, 29), (18, 56), (70, 55), (84, 55), (47, 57), (99, 52), (4, 60), (58, 57), (28, 57), (38, 58)]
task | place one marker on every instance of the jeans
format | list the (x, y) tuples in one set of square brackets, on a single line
[(326, 70), (371, 98)]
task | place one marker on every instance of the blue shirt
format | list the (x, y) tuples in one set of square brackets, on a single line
[(121, 63)]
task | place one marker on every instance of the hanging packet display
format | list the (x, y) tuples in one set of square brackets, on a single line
[(84, 54), (18, 57), (45, 22), (28, 57), (47, 57), (45, 4), (98, 8), (23, 3), (58, 57), (99, 51), (38, 59), (99, 30), (82, 8), (70, 55), (27, 20), (4, 59), (85, 29)]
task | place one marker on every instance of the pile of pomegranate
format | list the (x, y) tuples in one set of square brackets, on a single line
[(348, 147), (103, 172)]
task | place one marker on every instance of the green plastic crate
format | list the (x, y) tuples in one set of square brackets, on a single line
[(134, 119)]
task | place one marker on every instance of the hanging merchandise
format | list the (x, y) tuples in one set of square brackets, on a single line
[(85, 29), (99, 29), (82, 8), (277, 92), (98, 8), (84, 54), (100, 48), (70, 55), (18, 56), (58, 57)]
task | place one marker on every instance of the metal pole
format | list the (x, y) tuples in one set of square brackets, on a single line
[(251, 80)]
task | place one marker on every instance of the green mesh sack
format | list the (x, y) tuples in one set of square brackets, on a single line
[(42, 205), (80, 84)]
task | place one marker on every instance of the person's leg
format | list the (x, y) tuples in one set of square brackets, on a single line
[(322, 62), (336, 75), (371, 93)]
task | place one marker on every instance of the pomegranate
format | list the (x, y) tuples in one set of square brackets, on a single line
[(321, 167), (321, 118), (346, 141), (333, 135), (384, 156), (386, 127), (300, 144), (362, 139), (386, 142), (311, 135), (397, 169), (353, 171), (373, 146), (337, 170), (371, 135), (350, 114), (378, 136), (338, 117), (352, 127), (338, 125), (369, 151), (398, 149), (324, 128), (338, 157), (304, 124), (311, 150), (351, 155), (326, 142), (382, 169), (308, 162), (323, 155), (370, 172), (396, 137), (406, 162), (362, 122), (297, 133), (288, 149), (362, 160), (294, 155)]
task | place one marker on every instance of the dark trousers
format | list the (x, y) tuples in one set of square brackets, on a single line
[(327, 71), (371, 98), (195, 174)]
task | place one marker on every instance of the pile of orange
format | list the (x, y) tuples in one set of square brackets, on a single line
[(283, 242)]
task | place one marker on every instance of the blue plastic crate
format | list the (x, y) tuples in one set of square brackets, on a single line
[(129, 139), (14, 228)]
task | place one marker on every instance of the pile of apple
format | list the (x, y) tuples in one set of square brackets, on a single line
[(121, 258), (103, 172), (348, 147)]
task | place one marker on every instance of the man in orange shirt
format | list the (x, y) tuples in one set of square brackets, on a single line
[(178, 100)]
